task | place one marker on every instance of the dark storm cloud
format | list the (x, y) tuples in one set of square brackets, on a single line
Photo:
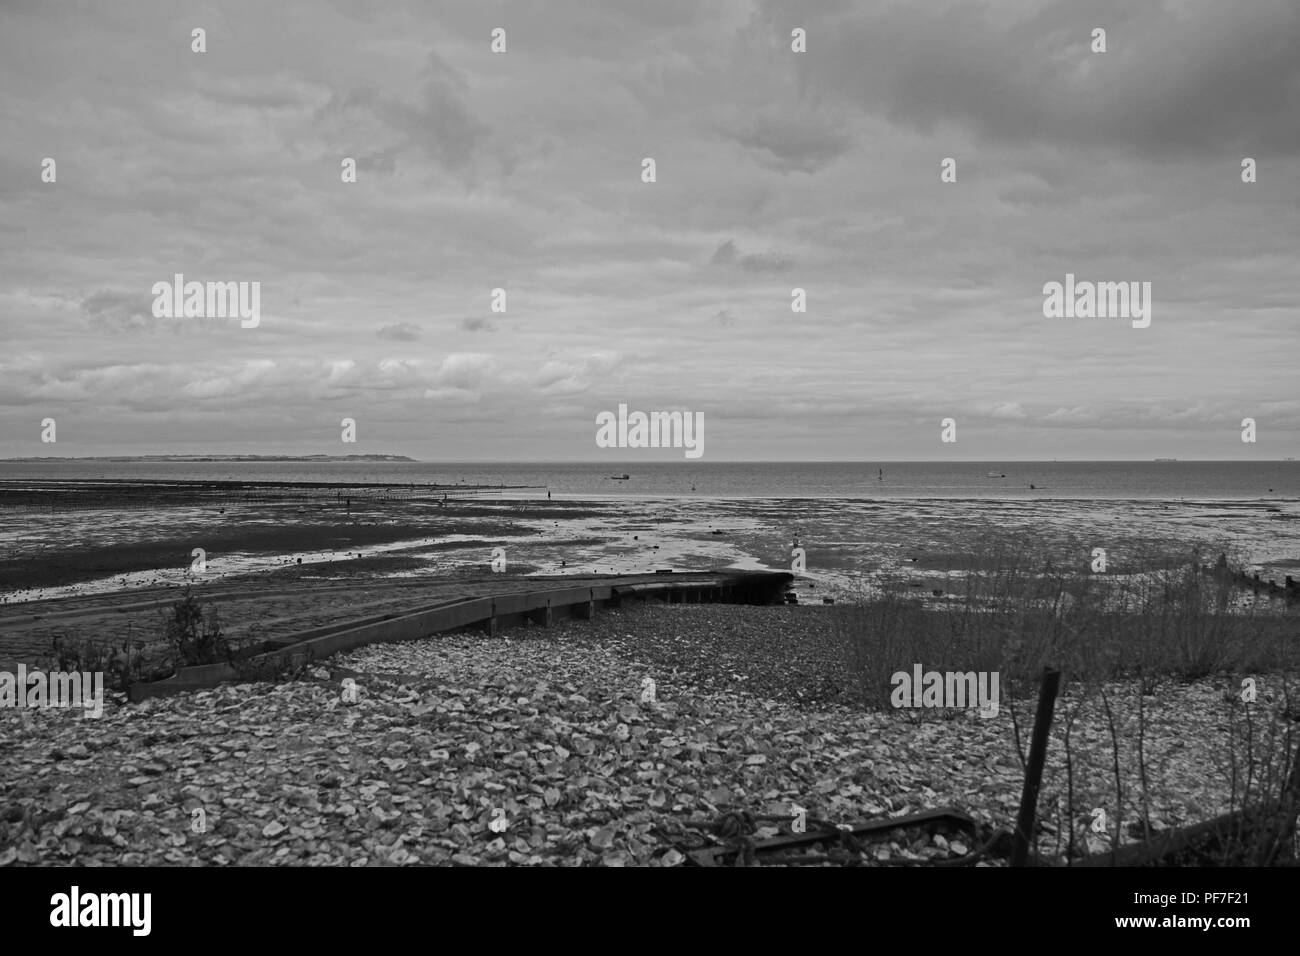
[(1177, 77)]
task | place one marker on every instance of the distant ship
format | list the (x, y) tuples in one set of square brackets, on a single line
[(1166, 459), (994, 474), (619, 477)]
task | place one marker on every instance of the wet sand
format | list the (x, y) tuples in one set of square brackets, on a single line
[(846, 542), (302, 566)]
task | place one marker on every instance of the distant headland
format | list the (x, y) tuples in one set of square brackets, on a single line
[(322, 458)]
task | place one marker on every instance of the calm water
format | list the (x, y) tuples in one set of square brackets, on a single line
[(1191, 480)]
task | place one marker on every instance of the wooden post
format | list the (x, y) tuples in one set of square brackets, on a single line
[(1034, 769)]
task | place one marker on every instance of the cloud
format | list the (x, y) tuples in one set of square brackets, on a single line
[(571, 376), (240, 380), (794, 141), (466, 374), (401, 332), (122, 311), (766, 262), (725, 254), (1007, 410), (278, 91), (1182, 82), (379, 126), (728, 253), (1077, 414), (478, 171)]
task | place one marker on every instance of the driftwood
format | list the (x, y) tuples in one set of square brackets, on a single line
[(946, 816)]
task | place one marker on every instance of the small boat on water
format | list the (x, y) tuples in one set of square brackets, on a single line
[(619, 477), (994, 474)]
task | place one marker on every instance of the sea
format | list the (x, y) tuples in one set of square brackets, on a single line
[(857, 521), (868, 480)]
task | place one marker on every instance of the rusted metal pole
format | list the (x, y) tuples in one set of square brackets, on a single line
[(1034, 769)]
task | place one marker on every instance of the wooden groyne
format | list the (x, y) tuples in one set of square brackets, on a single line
[(1225, 576), (492, 613)]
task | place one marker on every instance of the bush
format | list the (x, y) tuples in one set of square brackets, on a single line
[(1017, 617), (120, 664), (189, 637), (195, 638)]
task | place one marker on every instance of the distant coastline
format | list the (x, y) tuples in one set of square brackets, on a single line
[(152, 458)]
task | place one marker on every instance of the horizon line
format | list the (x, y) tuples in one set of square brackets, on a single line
[(379, 456)]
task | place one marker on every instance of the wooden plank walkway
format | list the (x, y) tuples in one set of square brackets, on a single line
[(329, 617), (493, 611)]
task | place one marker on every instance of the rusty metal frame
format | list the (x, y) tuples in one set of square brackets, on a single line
[(710, 856)]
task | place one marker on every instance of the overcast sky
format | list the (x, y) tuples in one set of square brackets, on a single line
[(775, 170)]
